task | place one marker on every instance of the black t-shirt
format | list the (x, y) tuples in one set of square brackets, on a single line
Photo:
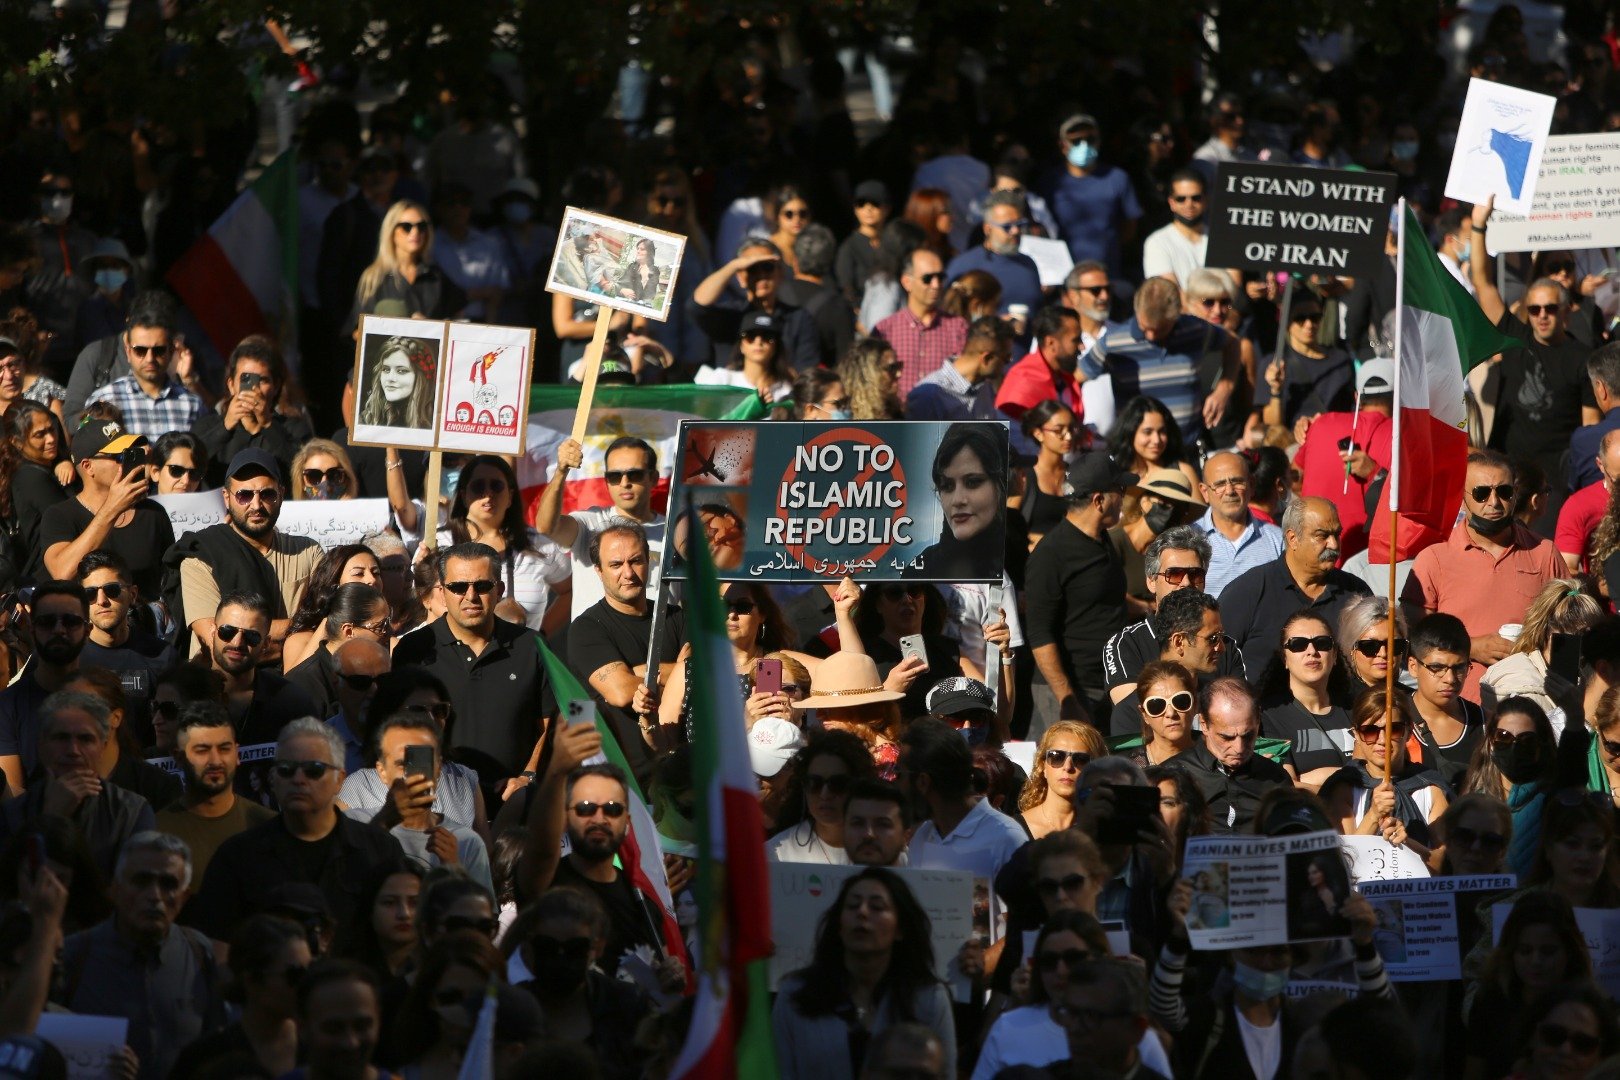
[(1452, 760), (1543, 389), (141, 543), (603, 635), (1075, 591), (138, 662), (944, 662), (33, 491), (1319, 742), (308, 857), (1311, 385), (629, 923)]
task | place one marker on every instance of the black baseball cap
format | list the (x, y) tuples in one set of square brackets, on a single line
[(251, 462), (872, 191), (959, 694), (1096, 471), (760, 322), (103, 438)]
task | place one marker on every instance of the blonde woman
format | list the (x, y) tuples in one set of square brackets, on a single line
[(322, 470), (871, 374), (402, 280), (1563, 606), (1047, 801)]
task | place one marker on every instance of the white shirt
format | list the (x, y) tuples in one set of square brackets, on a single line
[(587, 585), (1167, 251), (1456, 271), (1262, 1046), (800, 844), (1029, 1036), (982, 843), (713, 376), (969, 606)]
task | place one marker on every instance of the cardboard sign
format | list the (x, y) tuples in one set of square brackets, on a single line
[(1298, 219), (1372, 858), (785, 501), (1259, 890), (87, 1042), (617, 264), (1500, 139), (483, 409), (1419, 921), (1577, 202), (329, 522)]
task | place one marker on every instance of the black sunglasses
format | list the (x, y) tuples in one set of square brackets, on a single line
[(312, 770), (227, 633), (360, 684), (1483, 492), (615, 477), (1371, 647), (610, 809), (66, 620), (334, 476), (836, 784), (1059, 758), (1069, 958), (1538, 310), (483, 587), (931, 279), (113, 589), (438, 710), (159, 351), (244, 496), (479, 488), (178, 472), (1321, 643), (410, 226), (1052, 886), (1552, 1036), (740, 607), (1462, 836)]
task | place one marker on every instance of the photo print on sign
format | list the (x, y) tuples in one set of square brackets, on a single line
[(486, 385), (396, 381), (616, 263)]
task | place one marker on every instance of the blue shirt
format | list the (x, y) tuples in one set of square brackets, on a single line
[(1090, 210), (1020, 280), (1584, 445), (1260, 544), (1166, 370)]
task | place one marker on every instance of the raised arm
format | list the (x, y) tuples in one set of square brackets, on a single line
[(549, 520), (1481, 267), (542, 852)]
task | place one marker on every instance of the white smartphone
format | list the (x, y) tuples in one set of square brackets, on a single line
[(582, 712), (912, 645)]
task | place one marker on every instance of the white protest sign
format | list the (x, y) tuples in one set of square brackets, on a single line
[(330, 522), (1051, 257), (484, 407), (1375, 859), (1601, 929), (1500, 140), (802, 892), (1021, 754), (87, 1042), (1419, 922), (1259, 890), (1577, 202)]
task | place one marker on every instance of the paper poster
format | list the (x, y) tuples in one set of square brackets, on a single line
[(1601, 929), (1420, 922), (1051, 257), (615, 263), (785, 501), (802, 892), (1290, 217), (484, 406), (1500, 140), (1372, 858), (87, 1042), (1577, 204), (396, 382), (253, 763), (330, 522), (1258, 890)]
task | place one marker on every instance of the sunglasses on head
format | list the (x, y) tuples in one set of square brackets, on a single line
[(1462, 836), (66, 620), (615, 477), (159, 351), (244, 497), (227, 633), (1483, 492), (113, 589), (180, 472), (589, 809), (334, 476), (1321, 643), (1371, 647), (1176, 575), (1552, 1036), (1371, 733), (483, 587), (493, 486), (1053, 886), (1181, 701), (312, 770), (1058, 759), (836, 784)]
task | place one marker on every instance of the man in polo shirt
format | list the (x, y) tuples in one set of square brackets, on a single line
[(1158, 353), (757, 271), (1006, 220), (1075, 590), (1238, 541), (1490, 568), (1231, 776), (491, 667), (1579, 516), (1176, 559), (964, 386), (1188, 628), (923, 336), (1046, 373), (1261, 601)]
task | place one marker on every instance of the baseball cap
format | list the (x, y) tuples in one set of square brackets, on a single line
[(759, 322), (1376, 376), (1095, 471), (616, 371), (250, 459), (873, 191), (959, 694), (772, 742), (103, 438), (1078, 122), (520, 185), (1292, 818)]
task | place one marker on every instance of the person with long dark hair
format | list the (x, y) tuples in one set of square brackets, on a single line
[(1309, 710), (822, 773), (1051, 427), (872, 967), (384, 935), (32, 443), (1517, 762), (1146, 436), (970, 479), (1397, 802), (269, 955), (434, 1028), (339, 566)]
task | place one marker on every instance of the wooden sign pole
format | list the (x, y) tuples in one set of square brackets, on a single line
[(430, 499), (593, 364)]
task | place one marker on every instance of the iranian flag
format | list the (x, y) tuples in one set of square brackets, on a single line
[(646, 412), (1441, 335), (640, 856), (241, 277), (730, 1035)]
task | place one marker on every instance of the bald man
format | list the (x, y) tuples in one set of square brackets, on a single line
[(1257, 604), (359, 662), (1579, 516), (1238, 541)]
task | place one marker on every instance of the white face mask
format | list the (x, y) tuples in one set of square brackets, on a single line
[(56, 208)]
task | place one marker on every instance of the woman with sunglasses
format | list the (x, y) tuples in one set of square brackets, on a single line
[(1576, 856), (1572, 1029), (269, 955), (434, 1027), (323, 470), (1517, 762), (306, 630), (1313, 718), (789, 213), (1399, 801), (819, 394), (871, 373), (823, 772), (1309, 378), (1167, 696), (890, 611), (758, 360), (1364, 642), (1564, 606), (1051, 426), (1145, 436), (1046, 805), (403, 280), (179, 464)]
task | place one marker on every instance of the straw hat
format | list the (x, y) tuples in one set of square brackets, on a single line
[(1168, 484), (844, 680)]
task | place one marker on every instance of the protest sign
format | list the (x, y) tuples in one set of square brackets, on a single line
[(1372, 858), (1601, 929), (396, 382), (483, 409), (89, 1043), (1500, 139), (1258, 890), (1421, 922), (329, 522), (802, 892), (1051, 257), (1288, 217), (1577, 202), (617, 264), (817, 501)]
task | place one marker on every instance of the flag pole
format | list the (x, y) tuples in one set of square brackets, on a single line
[(1393, 485)]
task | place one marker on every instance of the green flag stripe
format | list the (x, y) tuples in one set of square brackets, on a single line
[(566, 688), (1430, 286)]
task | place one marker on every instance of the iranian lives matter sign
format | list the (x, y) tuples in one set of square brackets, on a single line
[(1305, 221)]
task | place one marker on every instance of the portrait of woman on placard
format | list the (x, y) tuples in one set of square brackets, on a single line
[(639, 281), (400, 390), (970, 479)]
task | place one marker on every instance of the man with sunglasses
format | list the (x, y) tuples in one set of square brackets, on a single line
[(151, 400), (248, 414), (757, 270), (1006, 222), (1179, 248), (111, 511), (1188, 628), (309, 842), (260, 701), (356, 610), (116, 643), (922, 335), (59, 617), (244, 554), (1086, 290), (210, 812), (1488, 570)]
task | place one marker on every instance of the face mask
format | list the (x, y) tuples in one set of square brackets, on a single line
[(1464, 252), (110, 280), (838, 414), (517, 211), (56, 208), (975, 734), (1189, 220), (1158, 519), (1082, 155), (1257, 984), (1486, 527), (1519, 762), (1404, 151)]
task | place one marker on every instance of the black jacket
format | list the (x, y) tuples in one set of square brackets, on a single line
[(280, 440), (1232, 796)]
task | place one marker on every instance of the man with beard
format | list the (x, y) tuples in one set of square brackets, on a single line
[(1489, 570), (58, 630), (877, 823), (210, 812), (260, 702), (1261, 601), (339, 1020), (245, 553), (116, 643), (1046, 373), (1006, 220), (1176, 250)]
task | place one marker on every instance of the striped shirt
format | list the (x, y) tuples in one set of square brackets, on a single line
[(1261, 543), (1167, 370), (921, 347), (174, 409)]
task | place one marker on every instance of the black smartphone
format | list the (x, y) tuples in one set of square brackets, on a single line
[(1565, 661), (1135, 808), (1347, 444), (248, 380), (132, 460), (419, 760)]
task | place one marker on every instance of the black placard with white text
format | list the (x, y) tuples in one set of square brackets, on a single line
[(1298, 219)]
